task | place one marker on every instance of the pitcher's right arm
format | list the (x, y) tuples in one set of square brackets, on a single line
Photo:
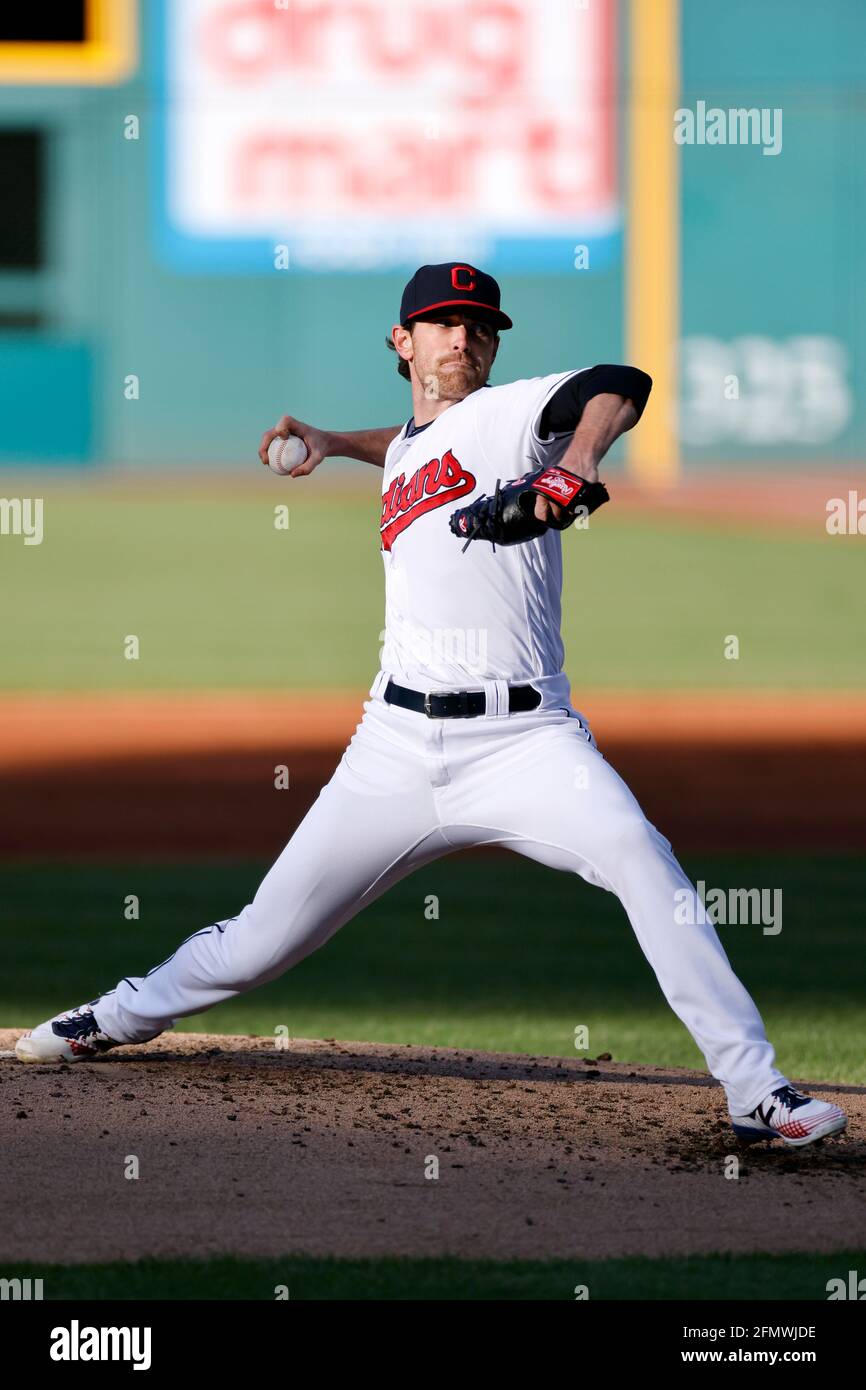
[(368, 446)]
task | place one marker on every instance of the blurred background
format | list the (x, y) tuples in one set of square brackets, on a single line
[(224, 200), (210, 210)]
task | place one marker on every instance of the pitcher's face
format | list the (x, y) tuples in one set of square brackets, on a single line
[(451, 355)]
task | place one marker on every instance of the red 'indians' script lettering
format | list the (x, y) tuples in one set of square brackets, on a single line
[(432, 485)]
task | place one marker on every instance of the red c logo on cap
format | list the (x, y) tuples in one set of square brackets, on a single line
[(462, 285)]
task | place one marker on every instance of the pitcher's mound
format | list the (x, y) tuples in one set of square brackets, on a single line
[(198, 1145)]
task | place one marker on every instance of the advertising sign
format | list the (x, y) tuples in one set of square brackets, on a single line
[(370, 134)]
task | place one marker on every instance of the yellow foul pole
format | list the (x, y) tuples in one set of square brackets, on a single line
[(652, 263)]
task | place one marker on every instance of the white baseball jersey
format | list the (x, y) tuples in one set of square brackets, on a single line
[(456, 620)]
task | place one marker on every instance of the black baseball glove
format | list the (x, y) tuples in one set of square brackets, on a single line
[(508, 517)]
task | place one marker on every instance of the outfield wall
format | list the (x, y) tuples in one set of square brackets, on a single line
[(772, 280)]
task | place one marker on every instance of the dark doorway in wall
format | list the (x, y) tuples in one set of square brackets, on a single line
[(36, 24), (22, 176)]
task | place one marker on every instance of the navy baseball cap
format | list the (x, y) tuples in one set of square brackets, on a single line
[(452, 285)]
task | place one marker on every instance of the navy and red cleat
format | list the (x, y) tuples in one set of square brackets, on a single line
[(74, 1036)]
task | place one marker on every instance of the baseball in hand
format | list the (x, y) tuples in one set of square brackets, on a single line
[(286, 454)]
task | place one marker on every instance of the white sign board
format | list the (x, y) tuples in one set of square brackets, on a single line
[(374, 133)]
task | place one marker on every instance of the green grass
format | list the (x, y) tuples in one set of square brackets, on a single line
[(791, 1276), (220, 599), (519, 957)]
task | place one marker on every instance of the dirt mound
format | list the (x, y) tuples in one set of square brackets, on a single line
[(324, 1148)]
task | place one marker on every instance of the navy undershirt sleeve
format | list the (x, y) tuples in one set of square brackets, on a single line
[(565, 408)]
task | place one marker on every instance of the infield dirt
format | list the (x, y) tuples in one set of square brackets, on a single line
[(324, 1147)]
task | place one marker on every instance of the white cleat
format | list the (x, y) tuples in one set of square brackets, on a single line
[(788, 1115), (74, 1036)]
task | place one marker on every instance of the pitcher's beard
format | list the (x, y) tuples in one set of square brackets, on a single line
[(456, 380)]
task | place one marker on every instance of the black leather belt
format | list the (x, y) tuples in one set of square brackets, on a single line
[(459, 704)]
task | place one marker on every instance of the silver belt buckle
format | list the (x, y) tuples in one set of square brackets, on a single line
[(427, 706)]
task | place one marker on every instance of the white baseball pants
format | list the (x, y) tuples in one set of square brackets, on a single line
[(410, 789)]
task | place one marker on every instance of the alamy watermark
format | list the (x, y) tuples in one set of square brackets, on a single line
[(77, 1343), (22, 516), (729, 907), (738, 125), (846, 517), (853, 1288), (20, 1290), (464, 647)]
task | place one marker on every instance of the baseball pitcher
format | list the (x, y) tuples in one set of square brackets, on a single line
[(469, 736)]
